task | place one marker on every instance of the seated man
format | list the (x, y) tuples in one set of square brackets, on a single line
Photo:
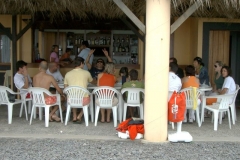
[(43, 80), (133, 83), (54, 71), (174, 83), (21, 79), (179, 71), (99, 68), (78, 77)]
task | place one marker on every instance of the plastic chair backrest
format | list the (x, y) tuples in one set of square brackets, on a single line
[(4, 95), (133, 95), (235, 93), (75, 95), (225, 99), (188, 94), (38, 95), (105, 95)]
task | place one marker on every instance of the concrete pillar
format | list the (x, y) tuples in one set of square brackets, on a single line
[(157, 67)]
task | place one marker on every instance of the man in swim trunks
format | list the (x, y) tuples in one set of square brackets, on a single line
[(43, 80)]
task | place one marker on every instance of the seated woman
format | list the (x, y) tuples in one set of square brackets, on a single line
[(229, 86), (190, 81), (107, 78), (123, 73), (201, 71), (66, 56), (218, 79)]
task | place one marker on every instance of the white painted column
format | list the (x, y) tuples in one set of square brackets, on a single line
[(157, 67)]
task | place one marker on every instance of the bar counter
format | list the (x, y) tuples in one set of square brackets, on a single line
[(33, 68)]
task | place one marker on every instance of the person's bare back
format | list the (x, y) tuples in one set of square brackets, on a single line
[(43, 80)]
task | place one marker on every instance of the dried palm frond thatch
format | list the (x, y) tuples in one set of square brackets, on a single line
[(108, 9)]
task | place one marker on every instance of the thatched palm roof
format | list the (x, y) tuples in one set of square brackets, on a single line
[(108, 9)]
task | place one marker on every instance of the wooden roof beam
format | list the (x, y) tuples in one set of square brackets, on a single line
[(130, 15), (185, 15)]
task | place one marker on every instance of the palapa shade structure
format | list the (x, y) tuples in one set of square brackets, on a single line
[(108, 9)]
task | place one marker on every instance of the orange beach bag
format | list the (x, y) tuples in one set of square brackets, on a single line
[(176, 107)]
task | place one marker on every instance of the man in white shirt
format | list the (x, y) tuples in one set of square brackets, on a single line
[(84, 53), (174, 83), (54, 71), (21, 79)]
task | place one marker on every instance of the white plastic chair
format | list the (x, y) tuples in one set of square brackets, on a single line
[(133, 100), (232, 105), (75, 95), (29, 100), (4, 100), (38, 100), (105, 96), (219, 107), (189, 101)]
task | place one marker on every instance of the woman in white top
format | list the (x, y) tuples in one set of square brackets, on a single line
[(229, 86)]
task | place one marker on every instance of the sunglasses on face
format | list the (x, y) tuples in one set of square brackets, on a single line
[(215, 66)]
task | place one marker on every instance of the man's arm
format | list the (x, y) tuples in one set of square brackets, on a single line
[(25, 74), (88, 58), (106, 54), (53, 81)]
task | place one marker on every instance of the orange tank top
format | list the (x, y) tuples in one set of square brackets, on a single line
[(107, 80), (191, 82)]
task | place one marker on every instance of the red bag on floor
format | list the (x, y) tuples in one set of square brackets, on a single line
[(176, 107)]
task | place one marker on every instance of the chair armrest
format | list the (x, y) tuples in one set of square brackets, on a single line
[(10, 91)]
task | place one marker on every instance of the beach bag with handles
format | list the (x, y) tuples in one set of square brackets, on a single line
[(176, 107)]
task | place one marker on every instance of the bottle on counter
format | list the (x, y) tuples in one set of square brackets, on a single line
[(92, 41), (120, 48), (76, 41), (79, 40), (127, 48), (96, 41), (82, 40), (127, 39), (108, 41), (123, 48), (118, 40), (123, 40), (133, 59)]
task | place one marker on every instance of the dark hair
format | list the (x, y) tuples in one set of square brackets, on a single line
[(78, 61), (100, 59), (20, 64), (190, 70), (173, 60), (133, 74), (68, 49), (54, 46), (199, 60), (173, 67), (229, 71), (85, 43), (124, 70)]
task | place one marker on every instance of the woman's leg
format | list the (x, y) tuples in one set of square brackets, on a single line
[(74, 114), (102, 115), (108, 114), (79, 117)]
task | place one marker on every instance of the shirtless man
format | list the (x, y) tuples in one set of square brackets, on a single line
[(43, 80)]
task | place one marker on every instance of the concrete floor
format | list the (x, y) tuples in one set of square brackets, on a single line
[(21, 128)]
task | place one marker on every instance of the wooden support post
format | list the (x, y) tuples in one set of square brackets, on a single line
[(142, 37), (185, 15), (14, 49), (130, 15)]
